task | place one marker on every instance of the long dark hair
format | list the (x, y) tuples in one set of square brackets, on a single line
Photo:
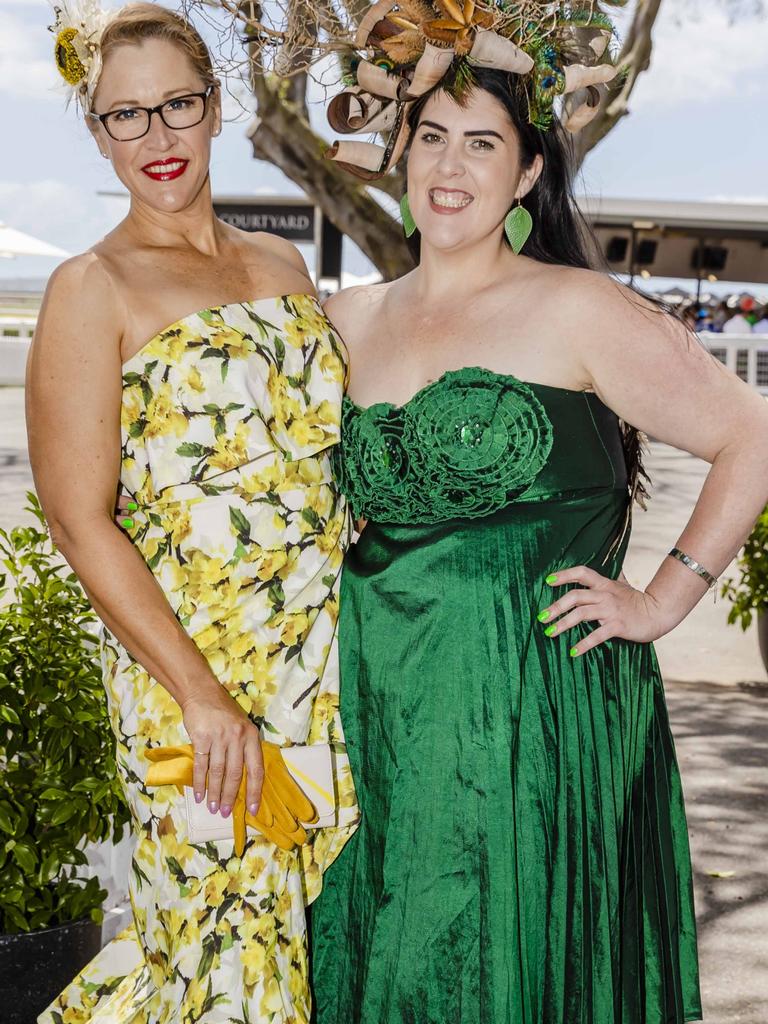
[(560, 233)]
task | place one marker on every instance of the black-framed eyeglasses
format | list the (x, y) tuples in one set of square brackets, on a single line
[(181, 112)]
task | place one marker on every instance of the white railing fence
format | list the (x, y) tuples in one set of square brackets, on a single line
[(16, 331), (746, 355), (17, 325)]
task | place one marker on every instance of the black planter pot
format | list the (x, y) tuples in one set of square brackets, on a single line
[(762, 636), (36, 966)]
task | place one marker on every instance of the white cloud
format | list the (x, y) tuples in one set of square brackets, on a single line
[(238, 104), (64, 215), (704, 59), (27, 69), (31, 5)]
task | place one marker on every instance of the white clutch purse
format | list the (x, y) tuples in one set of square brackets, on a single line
[(312, 768)]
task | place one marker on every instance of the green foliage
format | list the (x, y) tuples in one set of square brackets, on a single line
[(463, 81), (749, 593), (58, 787)]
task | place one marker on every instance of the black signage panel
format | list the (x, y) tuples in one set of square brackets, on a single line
[(294, 221), (330, 249)]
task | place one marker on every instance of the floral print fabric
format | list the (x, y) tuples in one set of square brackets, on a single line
[(227, 420)]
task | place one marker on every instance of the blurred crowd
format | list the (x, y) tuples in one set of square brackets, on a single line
[(737, 315)]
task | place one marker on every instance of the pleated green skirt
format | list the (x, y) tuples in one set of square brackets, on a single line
[(523, 855)]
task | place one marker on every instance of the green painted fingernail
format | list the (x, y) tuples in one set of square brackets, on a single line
[(126, 523), (550, 630), (552, 578), (543, 616), (574, 652), (132, 506)]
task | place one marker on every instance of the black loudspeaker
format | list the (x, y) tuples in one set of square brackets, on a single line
[(616, 250), (330, 249), (645, 252), (711, 258)]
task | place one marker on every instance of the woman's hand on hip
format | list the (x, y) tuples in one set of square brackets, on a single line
[(225, 742), (619, 610)]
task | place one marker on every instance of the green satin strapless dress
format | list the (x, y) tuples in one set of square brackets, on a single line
[(523, 855)]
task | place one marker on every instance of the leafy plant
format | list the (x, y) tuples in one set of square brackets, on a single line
[(749, 593), (58, 787)]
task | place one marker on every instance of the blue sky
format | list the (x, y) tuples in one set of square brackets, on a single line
[(697, 130)]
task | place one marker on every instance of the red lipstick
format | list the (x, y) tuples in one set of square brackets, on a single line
[(165, 170)]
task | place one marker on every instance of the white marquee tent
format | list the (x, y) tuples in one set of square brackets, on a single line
[(16, 243)]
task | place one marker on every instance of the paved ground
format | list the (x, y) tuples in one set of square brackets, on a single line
[(722, 738), (718, 699), (702, 646)]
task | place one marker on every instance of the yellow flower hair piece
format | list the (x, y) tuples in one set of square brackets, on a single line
[(71, 68), (77, 51)]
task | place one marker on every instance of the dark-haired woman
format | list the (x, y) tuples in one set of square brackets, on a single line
[(523, 857)]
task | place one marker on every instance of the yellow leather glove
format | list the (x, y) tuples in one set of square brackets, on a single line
[(283, 804), (273, 819), (284, 789)]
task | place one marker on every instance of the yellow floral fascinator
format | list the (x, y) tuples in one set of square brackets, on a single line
[(403, 48), (78, 29)]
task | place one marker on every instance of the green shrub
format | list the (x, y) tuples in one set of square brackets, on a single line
[(749, 593), (58, 787)]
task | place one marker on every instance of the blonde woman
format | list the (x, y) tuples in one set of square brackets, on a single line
[(190, 364)]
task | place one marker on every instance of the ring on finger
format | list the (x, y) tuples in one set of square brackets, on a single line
[(200, 753)]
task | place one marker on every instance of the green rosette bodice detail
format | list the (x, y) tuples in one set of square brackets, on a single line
[(465, 445)]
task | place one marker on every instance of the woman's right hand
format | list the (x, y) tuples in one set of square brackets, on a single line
[(225, 741)]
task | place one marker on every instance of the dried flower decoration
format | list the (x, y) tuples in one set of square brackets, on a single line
[(403, 48)]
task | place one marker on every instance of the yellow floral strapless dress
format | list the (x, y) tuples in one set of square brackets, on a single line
[(228, 416)]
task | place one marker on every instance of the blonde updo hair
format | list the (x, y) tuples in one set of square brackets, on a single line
[(136, 22)]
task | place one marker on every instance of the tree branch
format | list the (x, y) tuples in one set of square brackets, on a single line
[(294, 61), (392, 184), (284, 138), (634, 59)]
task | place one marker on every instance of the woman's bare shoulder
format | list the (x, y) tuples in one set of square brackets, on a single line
[(596, 294), (590, 307), (354, 312), (351, 305), (81, 298), (75, 270), (266, 246)]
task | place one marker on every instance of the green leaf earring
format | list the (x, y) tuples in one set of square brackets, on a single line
[(409, 224), (518, 226)]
